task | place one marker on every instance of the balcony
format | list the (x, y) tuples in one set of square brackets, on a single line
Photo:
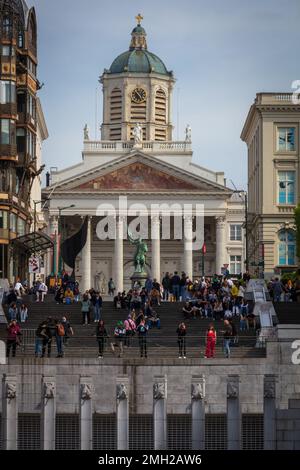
[(8, 152), (8, 109), (108, 146)]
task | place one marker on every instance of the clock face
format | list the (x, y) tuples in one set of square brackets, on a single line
[(138, 95)]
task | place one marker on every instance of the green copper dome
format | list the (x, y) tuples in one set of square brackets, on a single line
[(138, 59)]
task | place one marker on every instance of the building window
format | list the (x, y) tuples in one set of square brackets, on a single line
[(20, 40), (21, 101), (31, 144), (286, 187), (21, 227), (7, 91), (235, 232), (287, 248), (21, 140), (3, 219), (286, 139), (31, 105), (6, 132), (6, 26), (235, 264), (7, 50), (13, 223)]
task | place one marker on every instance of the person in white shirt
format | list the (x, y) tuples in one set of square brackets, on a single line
[(19, 288), (42, 291)]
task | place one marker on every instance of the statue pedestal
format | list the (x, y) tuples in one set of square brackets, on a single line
[(139, 277)]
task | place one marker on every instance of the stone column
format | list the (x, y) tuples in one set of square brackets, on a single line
[(188, 246), (122, 393), (160, 412), (269, 412), (86, 413), (86, 261), (9, 413), (3, 359), (220, 243), (155, 247), (233, 413), (119, 255), (48, 412), (198, 412)]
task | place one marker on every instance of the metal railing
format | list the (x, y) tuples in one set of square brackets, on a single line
[(165, 345)]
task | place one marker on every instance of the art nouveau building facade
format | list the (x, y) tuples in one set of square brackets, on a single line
[(151, 170), (271, 132)]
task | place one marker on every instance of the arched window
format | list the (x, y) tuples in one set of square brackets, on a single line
[(7, 27), (286, 248)]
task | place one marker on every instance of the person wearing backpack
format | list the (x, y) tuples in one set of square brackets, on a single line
[(119, 336), (59, 335), (85, 310), (142, 331)]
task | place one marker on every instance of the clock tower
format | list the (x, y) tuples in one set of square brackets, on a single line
[(137, 88)]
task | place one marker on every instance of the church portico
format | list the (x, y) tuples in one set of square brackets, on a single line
[(138, 182)]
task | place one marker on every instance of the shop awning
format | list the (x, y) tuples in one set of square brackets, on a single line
[(34, 242)]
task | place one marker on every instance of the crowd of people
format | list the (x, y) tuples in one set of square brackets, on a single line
[(217, 298)]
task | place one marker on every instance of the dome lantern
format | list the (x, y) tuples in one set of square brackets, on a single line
[(138, 35)]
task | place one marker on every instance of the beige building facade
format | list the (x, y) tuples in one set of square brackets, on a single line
[(271, 132), (138, 161)]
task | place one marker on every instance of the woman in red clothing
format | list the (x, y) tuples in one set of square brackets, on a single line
[(211, 339)]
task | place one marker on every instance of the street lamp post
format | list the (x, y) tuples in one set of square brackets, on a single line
[(245, 200), (34, 231), (203, 250)]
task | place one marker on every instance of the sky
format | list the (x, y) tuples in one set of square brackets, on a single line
[(222, 53)]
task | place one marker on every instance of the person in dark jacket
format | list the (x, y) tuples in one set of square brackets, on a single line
[(13, 337), (181, 334), (101, 334), (227, 335), (142, 331)]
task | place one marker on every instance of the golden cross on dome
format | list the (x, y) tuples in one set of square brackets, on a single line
[(139, 18)]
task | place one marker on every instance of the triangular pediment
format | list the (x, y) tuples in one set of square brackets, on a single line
[(137, 177), (137, 172)]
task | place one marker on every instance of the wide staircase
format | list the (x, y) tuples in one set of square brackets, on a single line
[(161, 342)]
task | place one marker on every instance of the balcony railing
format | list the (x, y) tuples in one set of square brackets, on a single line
[(106, 146)]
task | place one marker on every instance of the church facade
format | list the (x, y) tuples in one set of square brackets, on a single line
[(138, 179)]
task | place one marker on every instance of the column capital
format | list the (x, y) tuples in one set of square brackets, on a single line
[(121, 391), (48, 389), (233, 386), (220, 220), (198, 388), (155, 218), (11, 389), (160, 388), (86, 391), (270, 386)]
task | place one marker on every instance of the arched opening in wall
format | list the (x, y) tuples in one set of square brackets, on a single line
[(138, 112), (160, 114), (104, 432), (32, 33), (115, 113)]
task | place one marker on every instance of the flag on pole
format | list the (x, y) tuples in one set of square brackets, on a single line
[(203, 249)]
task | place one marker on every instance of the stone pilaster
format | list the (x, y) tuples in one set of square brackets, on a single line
[(119, 255), (233, 413), (122, 396), (155, 247), (198, 412), (9, 413), (48, 412), (86, 261), (86, 391), (188, 245), (160, 412), (269, 412), (220, 243)]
